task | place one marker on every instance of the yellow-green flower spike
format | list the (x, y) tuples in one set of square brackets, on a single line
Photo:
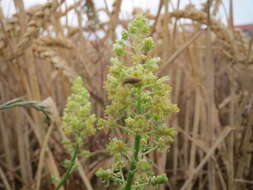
[(140, 105), (77, 118)]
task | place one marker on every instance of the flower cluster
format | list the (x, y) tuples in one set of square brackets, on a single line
[(78, 120), (78, 123), (140, 106)]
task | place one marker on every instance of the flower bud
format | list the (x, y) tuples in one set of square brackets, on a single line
[(144, 141), (116, 146), (124, 35), (118, 49), (67, 163), (105, 174), (148, 44), (160, 179), (139, 26), (166, 131)]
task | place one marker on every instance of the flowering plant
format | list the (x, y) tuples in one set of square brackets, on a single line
[(78, 123), (140, 106)]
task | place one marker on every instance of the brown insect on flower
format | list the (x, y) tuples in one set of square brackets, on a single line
[(131, 80)]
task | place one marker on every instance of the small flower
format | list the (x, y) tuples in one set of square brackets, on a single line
[(144, 141), (116, 146), (130, 121)]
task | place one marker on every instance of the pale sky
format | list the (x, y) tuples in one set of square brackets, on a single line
[(243, 9)]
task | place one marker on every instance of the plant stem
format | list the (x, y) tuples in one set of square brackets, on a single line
[(137, 147), (69, 170), (150, 150), (133, 162)]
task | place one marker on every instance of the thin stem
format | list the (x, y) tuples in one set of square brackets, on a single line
[(150, 150), (69, 170)]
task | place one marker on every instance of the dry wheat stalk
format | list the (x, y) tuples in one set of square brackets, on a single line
[(48, 41), (40, 18), (222, 33), (37, 17), (45, 48)]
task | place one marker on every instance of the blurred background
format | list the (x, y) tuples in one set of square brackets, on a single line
[(205, 48)]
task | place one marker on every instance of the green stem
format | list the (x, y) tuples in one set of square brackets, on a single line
[(137, 147), (69, 170), (150, 150), (133, 162)]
